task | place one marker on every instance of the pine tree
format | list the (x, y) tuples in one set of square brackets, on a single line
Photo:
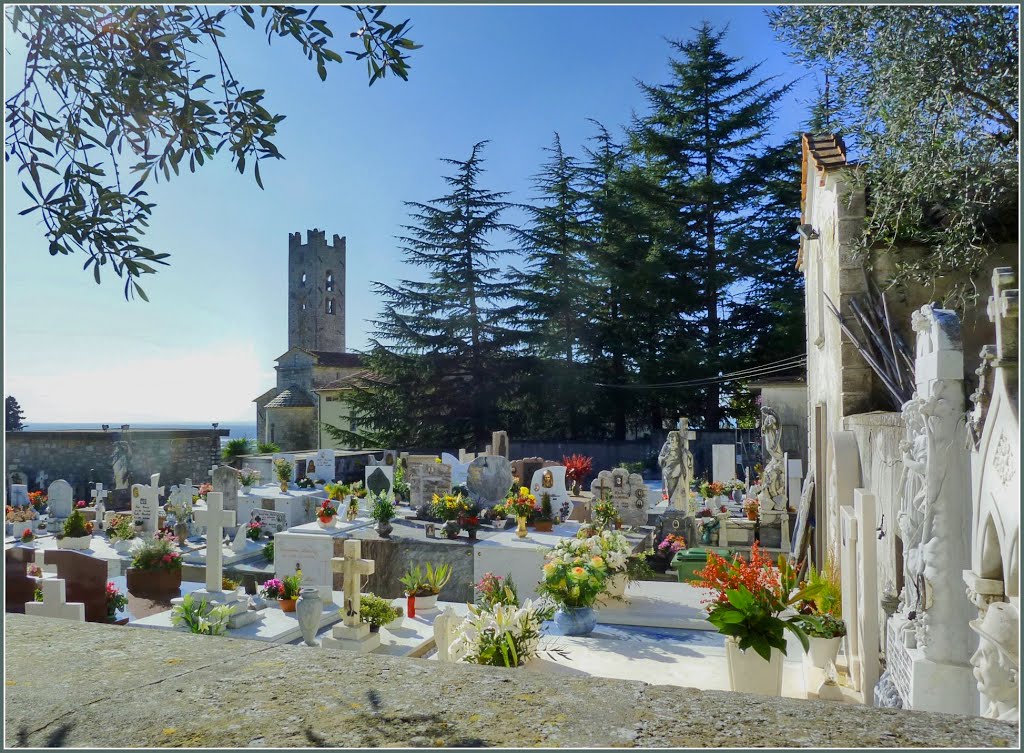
[(438, 359), (14, 417), (707, 136), (554, 289)]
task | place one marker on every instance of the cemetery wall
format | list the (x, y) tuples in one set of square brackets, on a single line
[(200, 692), (84, 456), (878, 444)]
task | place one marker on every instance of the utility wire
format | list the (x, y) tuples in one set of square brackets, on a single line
[(744, 374)]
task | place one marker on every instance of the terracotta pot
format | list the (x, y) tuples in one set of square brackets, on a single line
[(287, 605), (153, 581), (751, 516), (327, 522), (543, 527), (618, 525)]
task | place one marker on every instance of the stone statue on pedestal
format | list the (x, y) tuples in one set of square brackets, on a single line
[(672, 471)]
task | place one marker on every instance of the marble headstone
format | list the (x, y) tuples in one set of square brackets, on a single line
[(225, 481), (551, 480), (272, 520), (427, 479), (19, 495), (60, 497), (380, 478), (500, 444), (627, 491), (323, 465), (459, 469), (723, 462), (489, 479)]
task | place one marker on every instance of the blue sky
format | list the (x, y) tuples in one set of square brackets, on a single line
[(203, 347)]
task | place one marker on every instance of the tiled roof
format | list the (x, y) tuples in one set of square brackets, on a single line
[(351, 380), (826, 149), (343, 360), (292, 397)]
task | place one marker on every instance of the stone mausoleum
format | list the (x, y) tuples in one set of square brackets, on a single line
[(314, 372)]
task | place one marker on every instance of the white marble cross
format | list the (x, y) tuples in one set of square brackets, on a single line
[(181, 494), (146, 503), (212, 469), (54, 603), (352, 567), (215, 518), (99, 493), (41, 478)]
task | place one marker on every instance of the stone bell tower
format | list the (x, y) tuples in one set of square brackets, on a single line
[(316, 292)]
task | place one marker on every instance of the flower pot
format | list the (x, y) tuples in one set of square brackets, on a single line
[(542, 526), (308, 609), (751, 516), (153, 581), (575, 620), (287, 605), (424, 603), (618, 525), (327, 522), (246, 489), (384, 528), (374, 628), (451, 529), (822, 650), (521, 526), (749, 673), (122, 546), (74, 542)]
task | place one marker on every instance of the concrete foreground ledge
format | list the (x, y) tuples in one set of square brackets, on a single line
[(87, 685)]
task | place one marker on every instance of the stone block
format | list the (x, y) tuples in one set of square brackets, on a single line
[(849, 230)]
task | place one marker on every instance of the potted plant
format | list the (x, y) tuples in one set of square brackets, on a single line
[(667, 549), (283, 471), (577, 469), (605, 514), (77, 532), (38, 500), (306, 483), (337, 492), (400, 485), (254, 530), (382, 510), (155, 568), (377, 612), (521, 505), (502, 635), (285, 590), (235, 449), (201, 618), (248, 478), (573, 578), (121, 533), (710, 490), (493, 589), (470, 519), (326, 514), (27, 537), (749, 601), (822, 616), (352, 511), (751, 507), (449, 508), (544, 519), (425, 586), (116, 601)]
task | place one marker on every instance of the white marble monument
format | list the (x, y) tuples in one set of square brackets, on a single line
[(723, 462), (352, 633), (146, 503), (551, 481), (54, 603)]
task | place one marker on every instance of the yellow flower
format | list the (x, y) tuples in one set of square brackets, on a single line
[(597, 561), (524, 492), (549, 567), (579, 572)]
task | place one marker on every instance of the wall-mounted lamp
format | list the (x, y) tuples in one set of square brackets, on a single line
[(215, 425), (807, 232), (106, 426)]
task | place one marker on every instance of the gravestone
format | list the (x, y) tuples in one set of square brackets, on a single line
[(19, 495), (551, 480), (445, 625), (627, 491), (41, 478), (19, 587), (500, 444), (85, 580), (380, 478), (225, 481), (524, 469), (272, 520), (352, 633), (60, 498), (323, 465), (678, 523), (146, 503), (459, 468), (54, 603), (388, 458), (99, 495), (489, 479), (723, 462), (426, 479)]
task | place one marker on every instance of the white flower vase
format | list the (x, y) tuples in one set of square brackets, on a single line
[(123, 546), (750, 673), (616, 587), (246, 489), (426, 603), (820, 651)]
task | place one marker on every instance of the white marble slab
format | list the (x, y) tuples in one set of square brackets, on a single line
[(99, 547), (297, 504), (658, 604)]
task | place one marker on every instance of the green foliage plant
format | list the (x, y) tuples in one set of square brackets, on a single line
[(234, 449), (268, 551), (267, 448), (200, 618), (156, 554), (291, 585), (428, 581), (382, 509), (376, 611), (283, 469), (75, 525)]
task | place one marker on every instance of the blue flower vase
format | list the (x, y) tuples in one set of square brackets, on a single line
[(575, 621)]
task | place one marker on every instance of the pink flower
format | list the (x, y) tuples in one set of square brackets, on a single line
[(167, 558)]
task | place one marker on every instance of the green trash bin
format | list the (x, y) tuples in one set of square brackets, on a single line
[(687, 562)]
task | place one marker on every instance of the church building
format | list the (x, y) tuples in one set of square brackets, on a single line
[(315, 371)]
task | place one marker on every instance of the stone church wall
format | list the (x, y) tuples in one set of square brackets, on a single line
[(83, 456)]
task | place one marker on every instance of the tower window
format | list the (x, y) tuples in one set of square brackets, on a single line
[(330, 305), (303, 281), (330, 282), (303, 306)]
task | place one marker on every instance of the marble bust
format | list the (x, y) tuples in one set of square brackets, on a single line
[(997, 663)]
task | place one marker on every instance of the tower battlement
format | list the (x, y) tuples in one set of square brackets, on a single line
[(316, 292)]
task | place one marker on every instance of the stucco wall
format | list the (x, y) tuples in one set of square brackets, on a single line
[(83, 456), (334, 410), (292, 428)]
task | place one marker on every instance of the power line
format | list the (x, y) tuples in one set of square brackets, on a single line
[(756, 371)]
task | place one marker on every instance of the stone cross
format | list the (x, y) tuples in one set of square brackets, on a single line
[(352, 567), (99, 493), (182, 493), (215, 518), (54, 603), (41, 478)]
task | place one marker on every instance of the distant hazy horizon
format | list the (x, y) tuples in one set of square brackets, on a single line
[(237, 428)]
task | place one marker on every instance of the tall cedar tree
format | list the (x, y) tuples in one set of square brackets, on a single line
[(553, 287), (14, 416), (438, 355), (707, 134)]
